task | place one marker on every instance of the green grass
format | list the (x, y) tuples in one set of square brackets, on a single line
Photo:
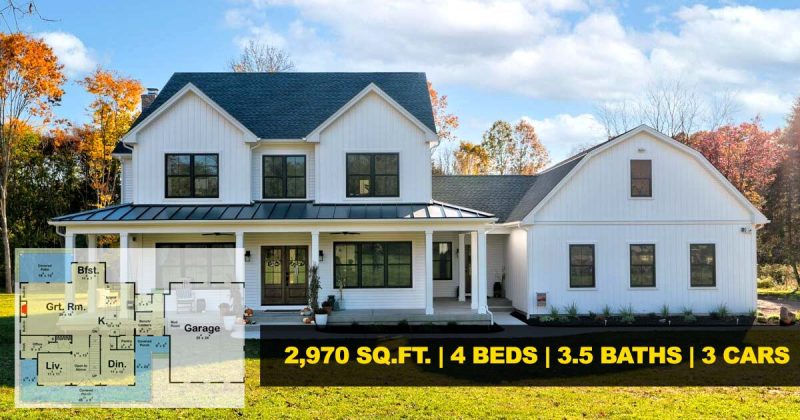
[(783, 293), (352, 402)]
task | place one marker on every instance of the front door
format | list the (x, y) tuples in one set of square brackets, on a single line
[(468, 269), (284, 275)]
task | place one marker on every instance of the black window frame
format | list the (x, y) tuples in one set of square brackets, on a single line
[(632, 265), (372, 175), (593, 265), (359, 264), (649, 179), (284, 178), (448, 259), (192, 176), (713, 265)]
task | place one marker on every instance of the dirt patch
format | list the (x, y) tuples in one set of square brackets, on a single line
[(772, 305)]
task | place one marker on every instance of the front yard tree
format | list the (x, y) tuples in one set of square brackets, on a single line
[(116, 99), (529, 155), (30, 83)]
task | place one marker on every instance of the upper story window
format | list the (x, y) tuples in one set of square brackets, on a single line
[(643, 265), (373, 175), (703, 262), (641, 178), (194, 175), (284, 176), (581, 266)]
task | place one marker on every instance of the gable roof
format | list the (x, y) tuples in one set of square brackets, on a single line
[(292, 105)]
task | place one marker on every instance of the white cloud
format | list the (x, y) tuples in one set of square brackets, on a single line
[(764, 102), (563, 133), (574, 50), (71, 52)]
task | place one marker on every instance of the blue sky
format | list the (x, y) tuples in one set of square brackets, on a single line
[(553, 62)]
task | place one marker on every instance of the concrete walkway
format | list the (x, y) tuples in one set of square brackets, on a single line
[(772, 305)]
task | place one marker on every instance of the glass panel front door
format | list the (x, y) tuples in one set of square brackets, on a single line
[(284, 275)]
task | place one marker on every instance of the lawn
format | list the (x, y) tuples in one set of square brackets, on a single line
[(337, 402)]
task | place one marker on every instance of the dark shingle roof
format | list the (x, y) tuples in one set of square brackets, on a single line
[(509, 197), (500, 193), (291, 105), (271, 211)]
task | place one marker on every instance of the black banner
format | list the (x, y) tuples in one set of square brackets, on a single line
[(517, 356)]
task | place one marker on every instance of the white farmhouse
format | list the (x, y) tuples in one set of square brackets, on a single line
[(297, 169)]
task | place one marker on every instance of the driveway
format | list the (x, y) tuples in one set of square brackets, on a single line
[(772, 305)]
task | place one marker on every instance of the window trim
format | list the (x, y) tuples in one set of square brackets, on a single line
[(594, 266), (631, 265), (372, 175), (631, 179), (191, 175), (450, 258), (285, 178), (713, 272), (358, 265)]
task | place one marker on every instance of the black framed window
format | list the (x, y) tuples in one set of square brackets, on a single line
[(703, 262), (641, 178), (442, 260), (581, 266), (372, 264), (194, 175), (643, 265), (373, 175), (284, 176)]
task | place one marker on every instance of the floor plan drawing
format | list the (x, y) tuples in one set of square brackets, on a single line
[(85, 340)]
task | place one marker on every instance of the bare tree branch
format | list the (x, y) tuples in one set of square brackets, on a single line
[(260, 57)]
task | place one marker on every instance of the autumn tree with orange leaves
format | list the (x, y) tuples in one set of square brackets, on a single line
[(471, 159), (745, 153), (114, 108), (30, 83), (445, 121), (528, 155)]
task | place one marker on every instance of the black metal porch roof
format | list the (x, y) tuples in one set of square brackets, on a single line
[(280, 210)]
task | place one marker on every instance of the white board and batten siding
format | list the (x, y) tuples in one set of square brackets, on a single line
[(689, 205), (127, 178), (190, 125), (372, 125), (267, 148), (516, 263)]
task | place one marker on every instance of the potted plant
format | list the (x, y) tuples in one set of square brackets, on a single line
[(327, 307), (321, 317), (313, 288), (228, 317), (248, 314)]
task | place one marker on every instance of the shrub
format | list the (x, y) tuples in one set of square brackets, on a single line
[(606, 311), (688, 316), (665, 311), (761, 319), (626, 314), (774, 318), (765, 283), (722, 311), (592, 315), (572, 310), (781, 274), (554, 312)]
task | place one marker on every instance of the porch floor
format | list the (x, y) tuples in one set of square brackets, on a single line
[(446, 310)]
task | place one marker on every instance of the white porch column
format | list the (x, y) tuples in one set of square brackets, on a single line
[(69, 288), (462, 267), (91, 293), (315, 249), (473, 240), (428, 272), (482, 304), (123, 274), (239, 258)]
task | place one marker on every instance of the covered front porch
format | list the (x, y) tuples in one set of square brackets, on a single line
[(281, 284)]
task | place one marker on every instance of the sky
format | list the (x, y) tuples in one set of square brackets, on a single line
[(548, 61)]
